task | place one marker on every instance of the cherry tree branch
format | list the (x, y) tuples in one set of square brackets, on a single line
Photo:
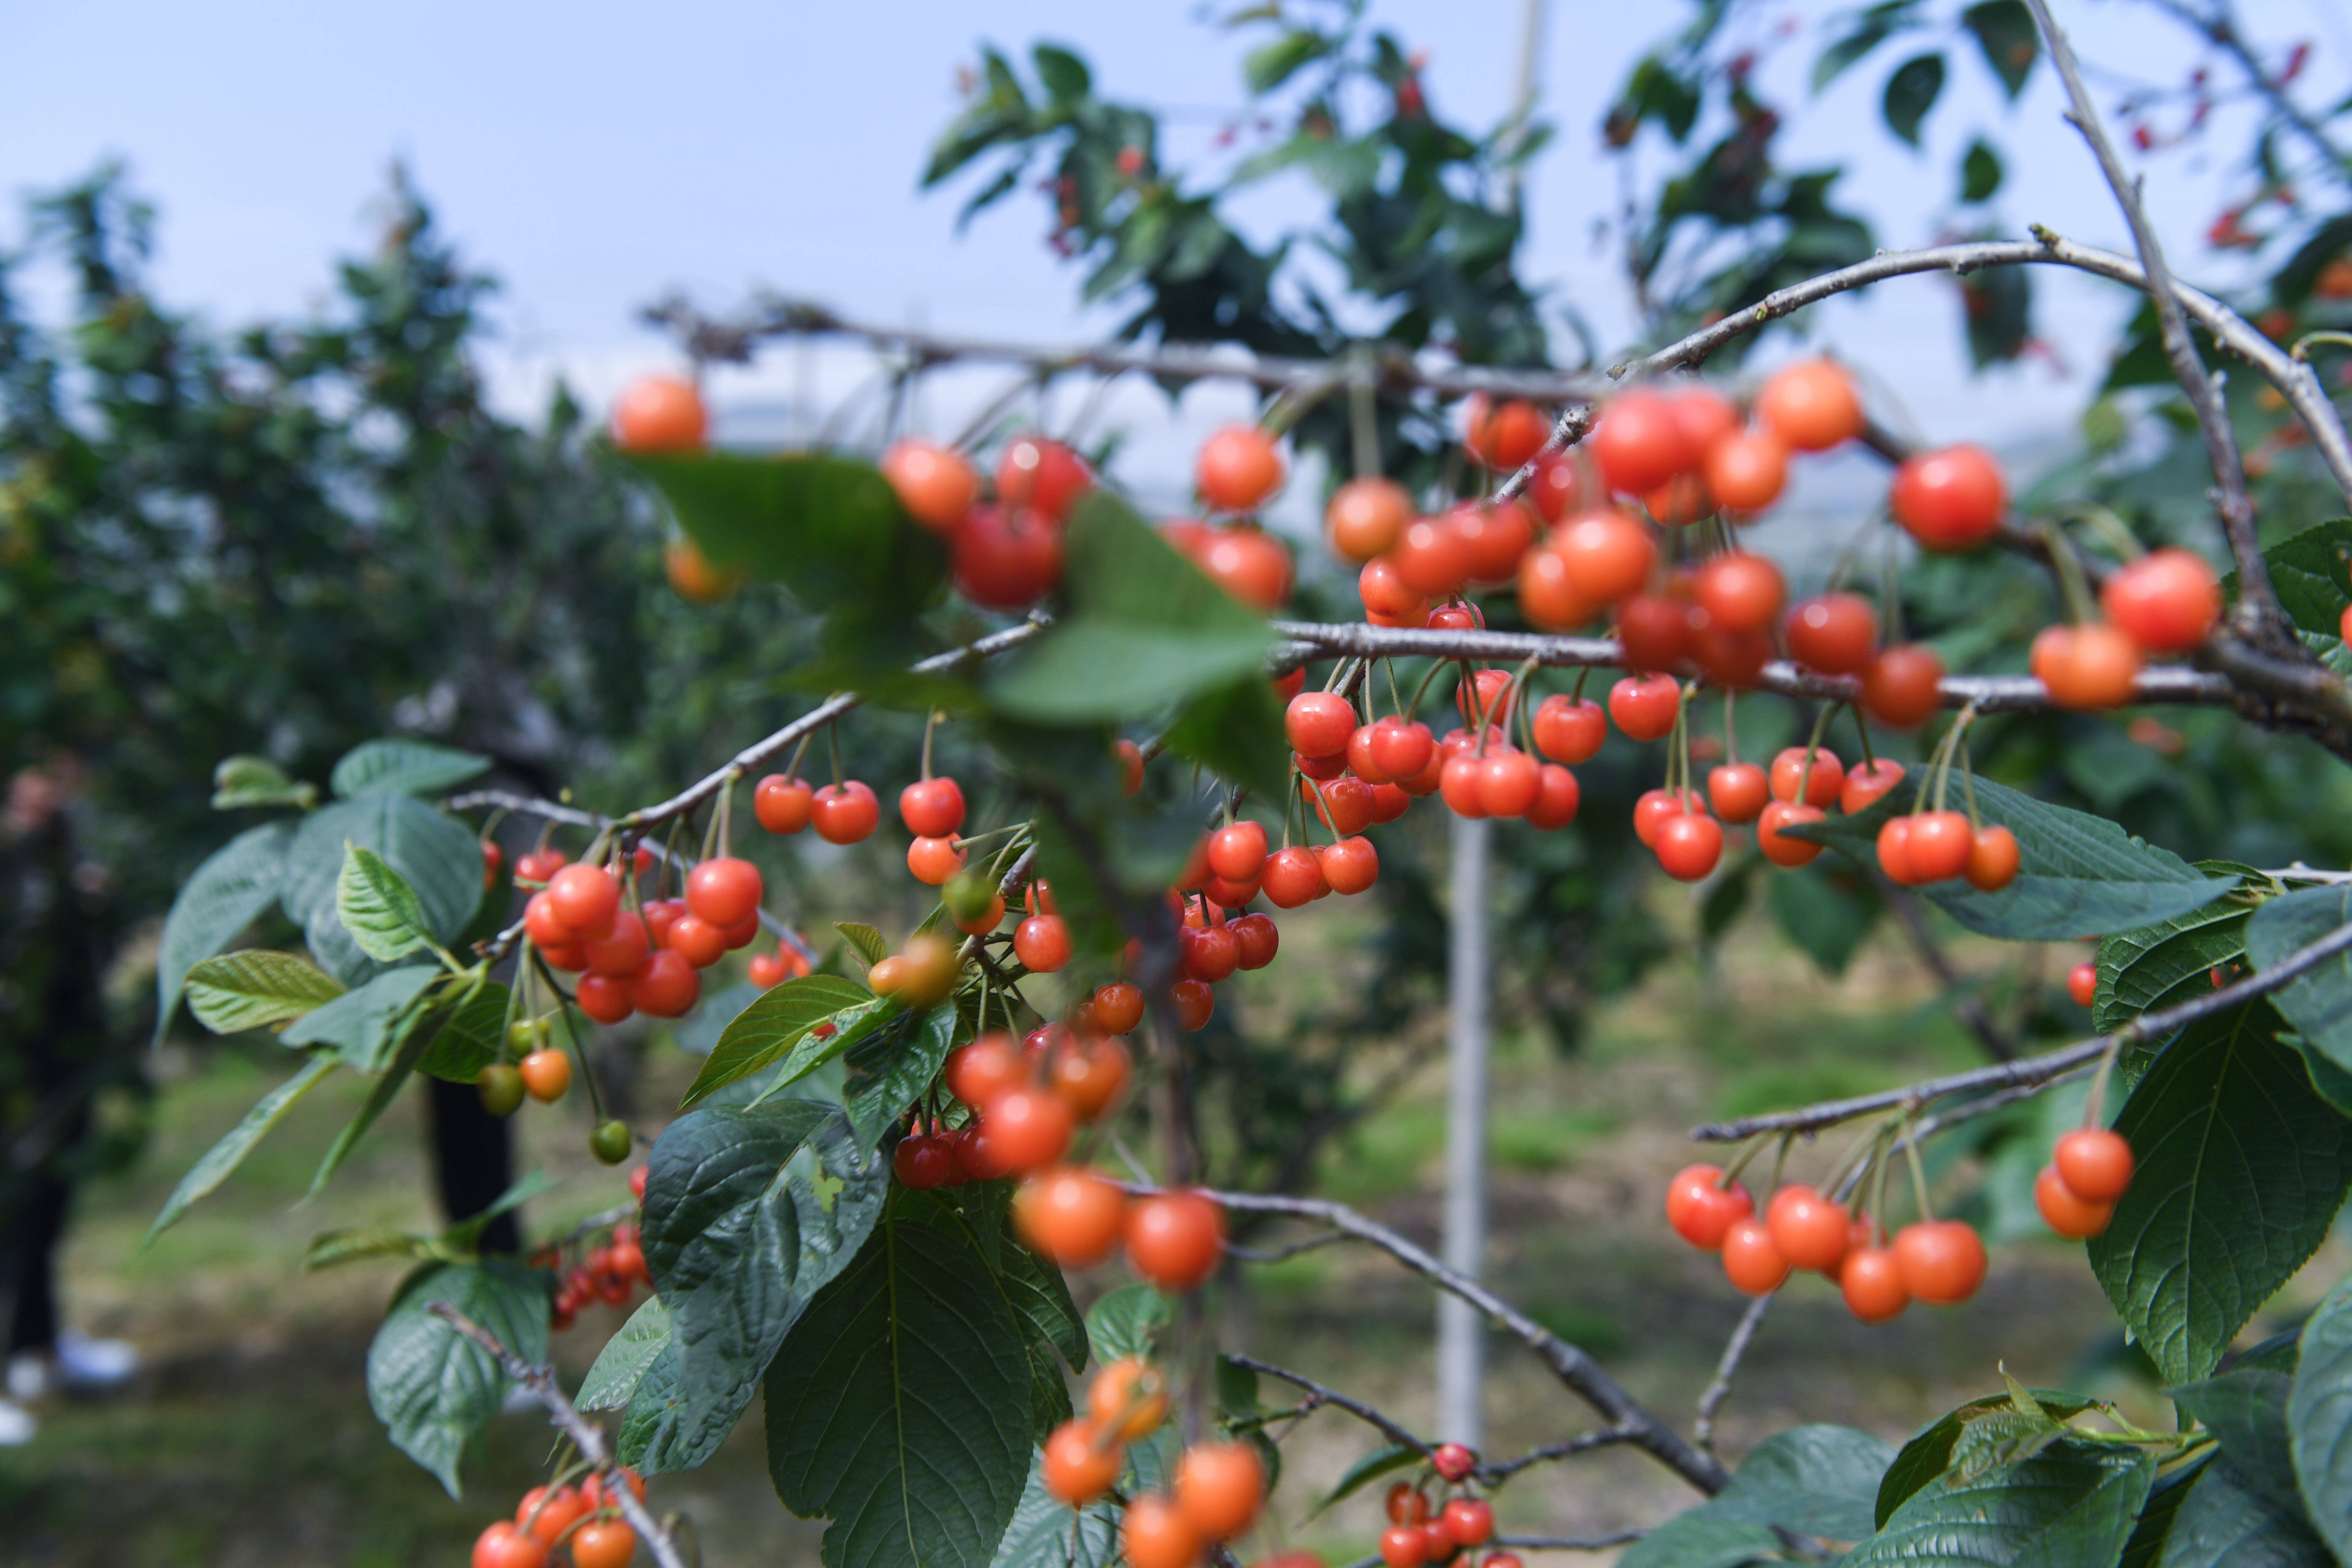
[(1727, 1366), (1316, 1395), (2032, 1073), (1568, 1542), (2257, 598), (1572, 1365), (539, 1381)]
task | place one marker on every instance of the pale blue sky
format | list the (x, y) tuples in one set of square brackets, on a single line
[(592, 155)]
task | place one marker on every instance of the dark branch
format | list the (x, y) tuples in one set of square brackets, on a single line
[(1317, 1394)]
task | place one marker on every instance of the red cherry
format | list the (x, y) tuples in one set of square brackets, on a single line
[(1293, 877), (933, 861), (844, 812), (1388, 600), (1951, 499), (781, 805), (1042, 943), (1871, 1279), (1432, 559), (2062, 1211), (1557, 797), (1366, 517), (1836, 634), (1816, 768), (1737, 791), (2083, 983), (1689, 844), (2096, 1164), (660, 414), (1237, 851), (603, 998), (769, 969), (2089, 665), (935, 483), (1939, 845), (1569, 730), (1344, 805), (1045, 477), (1899, 686), (1555, 490), (1639, 443), (1493, 538), (1658, 807), (1549, 598), (1644, 706), (1783, 851), (1736, 660), (1208, 953), (1811, 405), (1174, 1239), (1028, 1129), (1238, 468), (1809, 1230), (584, 899), (978, 1072), (1193, 1002), (1867, 783), (1607, 554), (1750, 1261), (1508, 783), (1503, 436), (931, 808), (1894, 851), (1700, 1210), (1470, 1521), (1747, 471), (1401, 750), (724, 891), (1654, 630), (1255, 938), (1741, 592), (667, 988), (1993, 858), (1006, 560), (1319, 723), (1249, 563), (2167, 601), (1401, 1546), (1350, 866), (507, 1545), (622, 949), (1454, 1462), (1942, 1261)]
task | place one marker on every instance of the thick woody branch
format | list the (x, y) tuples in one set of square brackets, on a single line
[(2256, 597), (2035, 1072), (1573, 1366), (539, 1381)]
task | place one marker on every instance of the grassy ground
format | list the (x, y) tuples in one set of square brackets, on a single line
[(249, 1440)]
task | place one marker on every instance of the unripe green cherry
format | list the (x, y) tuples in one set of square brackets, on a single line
[(501, 1087), (968, 895), (610, 1142)]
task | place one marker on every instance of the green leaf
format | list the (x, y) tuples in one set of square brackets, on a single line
[(469, 1039), (2241, 1168), (2146, 1547), (407, 1039), (241, 783), (748, 1214), (1147, 630), (1040, 1297), (864, 940), (2245, 1409), (224, 1156), (697, 1033), (1930, 1453), (2153, 966), (2079, 875), (1980, 171), (1064, 74), (779, 1023), (1698, 1538), (626, 1359), (828, 528), (365, 1025), (433, 1389), (2224, 1522), (466, 1235), (1877, 23), (2071, 1504), (255, 988), (2005, 31), (402, 767), (2319, 1002), (898, 1405), (366, 1244), (2319, 1418), (1809, 1480), (2313, 573), (435, 854), (1270, 65), (1827, 912), (377, 906), (1911, 93), (889, 1067), (1384, 1460), (1235, 732), (1127, 1322), (227, 893), (651, 1424), (1043, 1533)]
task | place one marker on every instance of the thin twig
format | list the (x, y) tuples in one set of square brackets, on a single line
[(539, 1381), (2034, 1072), (2258, 599), (1966, 1005), (1583, 1443), (1725, 1367), (1569, 1542), (1319, 1395)]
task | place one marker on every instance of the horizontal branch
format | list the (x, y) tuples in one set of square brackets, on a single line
[(539, 1381), (1311, 640), (1569, 1542), (1572, 1365), (1317, 1394), (2036, 1072)]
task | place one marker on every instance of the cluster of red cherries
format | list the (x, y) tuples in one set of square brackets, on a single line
[(551, 1519), (611, 1272), (1217, 1488), (1420, 1533)]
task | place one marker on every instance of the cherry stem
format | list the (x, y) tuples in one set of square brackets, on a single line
[(2093, 1106), (1330, 819), (2073, 592), (1878, 1196), (792, 768), (832, 743), (670, 856), (1949, 750), (1423, 690), (1813, 745), (1730, 729), (1919, 1170), (1396, 700), (1739, 1162), (2108, 527), (572, 1028), (1781, 1160), (1862, 734), (1968, 788), (727, 809), (1869, 1140), (1890, 592), (1576, 693), (1364, 418), (931, 723)]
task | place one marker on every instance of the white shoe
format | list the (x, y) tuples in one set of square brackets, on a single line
[(17, 1425), (93, 1366), (28, 1375)]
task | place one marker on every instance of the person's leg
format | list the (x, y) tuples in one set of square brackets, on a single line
[(39, 1225), (472, 1161)]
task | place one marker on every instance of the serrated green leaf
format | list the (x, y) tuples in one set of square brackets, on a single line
[(889, 1067), (224, 1156), (1127, 1322), (748, 1214), (2241, 1168), (438, 856), (365, 1025), (2245, 1409), (365, 1246), (469, 1039), (777, 1027), (2312, 572), (1910, 93), (1235, 732), (377, 906), (225, 894), (402, 767), (1040, 1298), (1809, 1480), (2152, 966), (626, 1359), (2319, 1418), (2079, 875), (1043, 1535), (2072, 1503), (898, 1405), (2222, 1522), (2146, 1547), (1828, 912), (255, 988), (1147, 630), (434, 1389), (863, 941), (1930, 1453), (2318, 1003)]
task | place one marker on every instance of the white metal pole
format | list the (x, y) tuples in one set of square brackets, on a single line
[(1461, 1333)]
